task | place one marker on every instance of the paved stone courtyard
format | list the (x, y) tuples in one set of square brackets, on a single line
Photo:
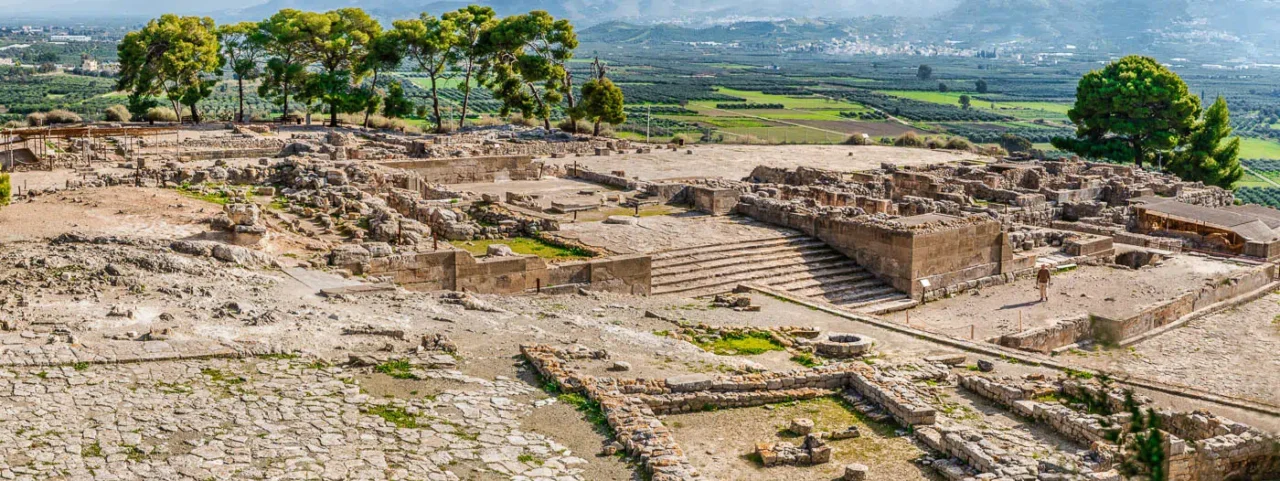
[(266, 418)]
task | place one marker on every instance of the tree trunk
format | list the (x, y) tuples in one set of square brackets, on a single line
[(373, 89), (240, 82), (333, 115), (568, 88), (435, 105), (195, 114), (285, 89), (1137, 154), (466, 95), (597, 131)]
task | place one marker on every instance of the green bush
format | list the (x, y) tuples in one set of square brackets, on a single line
[(4, 189), (161, 114), (117, 113)]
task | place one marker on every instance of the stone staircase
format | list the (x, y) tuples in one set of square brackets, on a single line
[(797, 264)]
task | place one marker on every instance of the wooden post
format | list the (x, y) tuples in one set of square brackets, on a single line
[(908, 318), (1019, 321), (539, 285), (971, 332)]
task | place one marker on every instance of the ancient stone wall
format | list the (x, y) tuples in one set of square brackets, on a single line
[(459, 270), (472, 169), (1237, 285), (1063, 332)]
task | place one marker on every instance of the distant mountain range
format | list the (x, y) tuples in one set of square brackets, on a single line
[(1192, 28), (1211, 28)]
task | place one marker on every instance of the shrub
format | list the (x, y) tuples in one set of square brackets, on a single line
[(60, 116), (488, 121), (117, 113), (161, 114), (909, 139), (959, 143), (935, 142), (583, 127), (36, 119), (15, 124), (518, 119), (1014, 143), (381, 122), (680, 138), (4, 189), (994, 151), (858, 138)]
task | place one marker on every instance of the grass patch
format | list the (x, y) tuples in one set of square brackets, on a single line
[(278, 356), (743, 344), (591, 411), (527, 246), (1251, 148), (396, 369), (92, 451), (1074, 374), (395, 415), (806, 360), (80, 366), (220, 376), (220, 197)]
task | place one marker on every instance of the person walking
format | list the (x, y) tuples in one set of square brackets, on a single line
[(1042, 281)]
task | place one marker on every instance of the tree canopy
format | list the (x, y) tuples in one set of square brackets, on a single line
[(339, 59), (1132, 110), (174, 56), (1208, 155)]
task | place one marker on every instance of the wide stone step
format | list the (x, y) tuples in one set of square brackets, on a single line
[(828, 289), (847, 272), (779, 254), (857, 298), (708, 285), (767, 241), (725, 252), (780, 265), (890, 304)]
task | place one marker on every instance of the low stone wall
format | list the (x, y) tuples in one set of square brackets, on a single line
[(1063, 332), (631, 406), (1077, 426), (1120, 331), (458, 270), (192, 155), (472, 169), (896, 397)]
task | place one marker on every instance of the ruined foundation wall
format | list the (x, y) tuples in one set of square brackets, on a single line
[(472, 169), (1240, 284), (459, 270), (1044, 340)]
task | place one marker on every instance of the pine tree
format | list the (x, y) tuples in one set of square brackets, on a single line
[(1208, 155)]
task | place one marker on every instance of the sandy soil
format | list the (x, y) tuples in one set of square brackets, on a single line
[(737, 161), (1107, 291), (154, 213)]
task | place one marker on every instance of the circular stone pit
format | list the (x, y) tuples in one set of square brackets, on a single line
[(840, 345)]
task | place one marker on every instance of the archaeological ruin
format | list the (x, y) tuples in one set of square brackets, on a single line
[(295, 302)]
